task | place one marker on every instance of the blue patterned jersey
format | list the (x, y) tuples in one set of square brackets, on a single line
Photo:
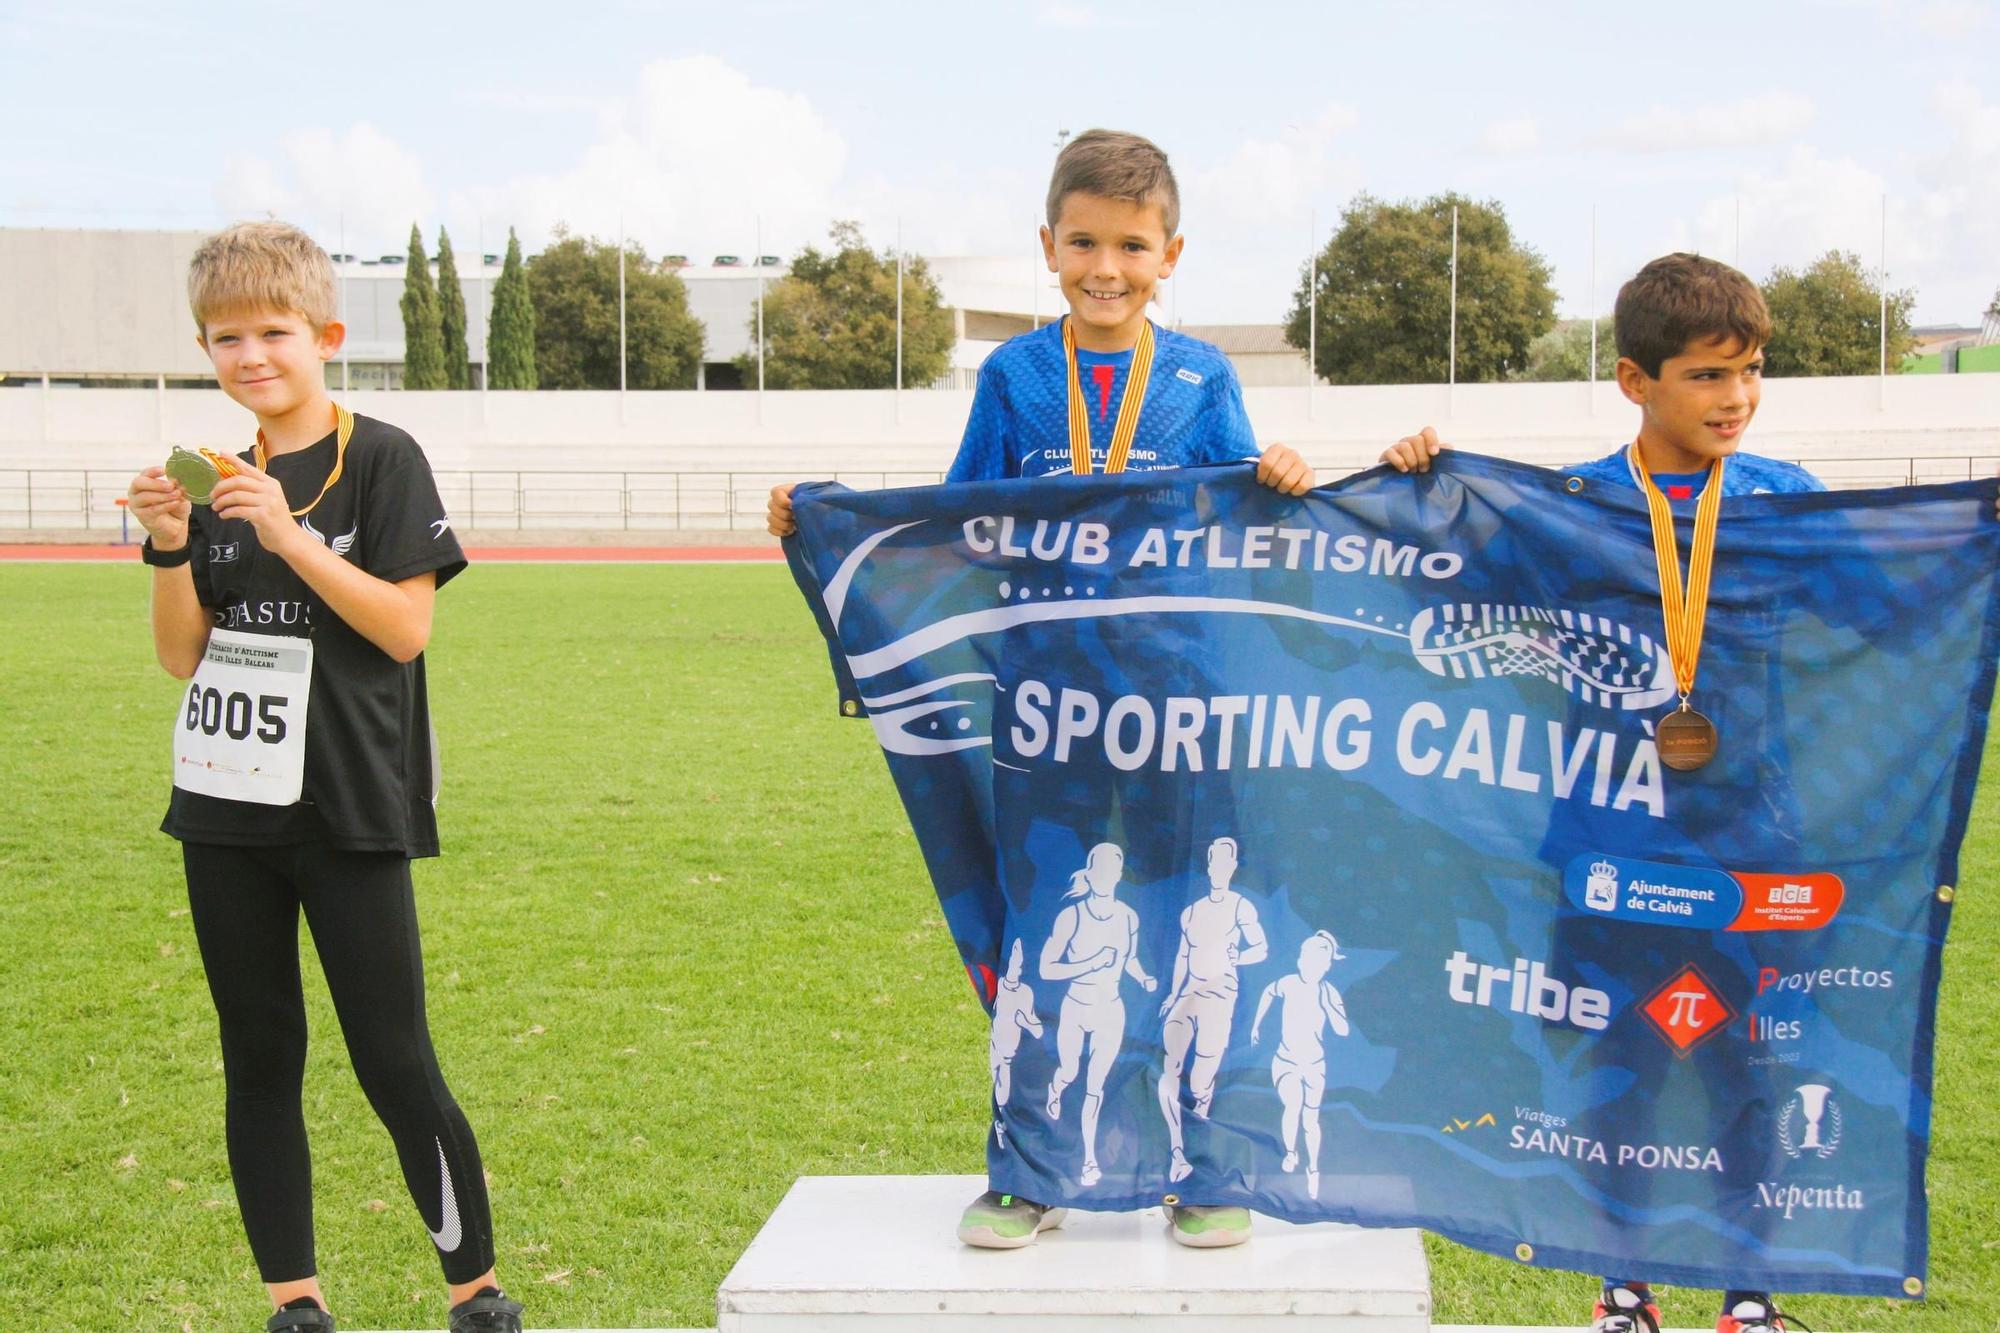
[(1747, 474), (1019, 426)]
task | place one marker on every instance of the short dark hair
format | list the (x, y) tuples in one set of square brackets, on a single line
[(1115, 165), (1681, 299)]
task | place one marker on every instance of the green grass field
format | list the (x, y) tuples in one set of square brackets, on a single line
[(681, 950)]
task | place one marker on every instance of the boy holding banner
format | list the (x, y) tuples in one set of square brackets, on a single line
[(1691, 334), (295, 593), (1103, 390)]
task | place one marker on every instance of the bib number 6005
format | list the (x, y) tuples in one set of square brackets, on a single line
[(234, 714)]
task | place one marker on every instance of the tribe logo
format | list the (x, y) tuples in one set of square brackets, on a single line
[(1809, 1124), (1526, 988), (1598, 660), (1687, 1011)]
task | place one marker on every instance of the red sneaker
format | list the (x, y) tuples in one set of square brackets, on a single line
[(1756, 1315), (1626, 1307)]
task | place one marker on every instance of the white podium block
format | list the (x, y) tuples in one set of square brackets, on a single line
[(858, 1254)]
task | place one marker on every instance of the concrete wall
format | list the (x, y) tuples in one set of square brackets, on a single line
[(97, 303), (1851, 431)]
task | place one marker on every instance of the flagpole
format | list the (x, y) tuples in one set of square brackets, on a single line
[(760, 319), (621, 318), (899, 319), (1593, 309), (1312, 312), (1451, 383)]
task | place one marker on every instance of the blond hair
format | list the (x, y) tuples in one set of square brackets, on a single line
[(261, 266), (1115, 165)]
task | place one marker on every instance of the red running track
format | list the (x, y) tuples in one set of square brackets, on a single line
[(478, 554)]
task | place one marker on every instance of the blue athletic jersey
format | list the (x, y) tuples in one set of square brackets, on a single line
[(1747, 474), (1019, 426)]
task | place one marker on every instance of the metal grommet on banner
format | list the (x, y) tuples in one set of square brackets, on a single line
[(1946, 893), (849, 707), (1524, 1252), (1574, 485), (1170, 1200), (1913, 1286)]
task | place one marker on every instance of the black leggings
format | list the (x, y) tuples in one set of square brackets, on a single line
[(362, 912)]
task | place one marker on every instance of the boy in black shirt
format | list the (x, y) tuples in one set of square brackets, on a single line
[(295, 592)]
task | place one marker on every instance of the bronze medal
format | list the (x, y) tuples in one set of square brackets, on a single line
[(1686, 740)]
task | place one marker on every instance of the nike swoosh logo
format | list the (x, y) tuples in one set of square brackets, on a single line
[(448, 1236)]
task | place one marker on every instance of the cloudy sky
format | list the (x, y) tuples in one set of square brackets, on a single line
[(1762, 133)]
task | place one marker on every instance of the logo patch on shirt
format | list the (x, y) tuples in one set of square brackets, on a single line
[(1185, 374), (222, 553)]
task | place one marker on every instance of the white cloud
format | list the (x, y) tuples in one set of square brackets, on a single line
[(1508, 138), (689, 161), (1955, 18), (1942, 232), (360, 181), (1069, 16), (1247, 216), (1770, 118), (1272, 179)]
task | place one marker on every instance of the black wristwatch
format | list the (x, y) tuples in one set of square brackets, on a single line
[(159, 559)]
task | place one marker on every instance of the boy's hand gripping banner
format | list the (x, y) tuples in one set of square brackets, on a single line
[(1314, 854)]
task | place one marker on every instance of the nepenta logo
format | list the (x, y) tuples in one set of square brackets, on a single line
[(1809, 1123), (1687, 1010), (1526, 988)]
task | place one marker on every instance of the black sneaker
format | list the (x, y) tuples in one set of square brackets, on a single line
[(488, 1312), (996, 1221), (303, 1315)]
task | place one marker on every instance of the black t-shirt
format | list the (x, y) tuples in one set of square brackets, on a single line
[(369, 777)]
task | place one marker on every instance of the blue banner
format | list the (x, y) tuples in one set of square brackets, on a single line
[(1313, 854)]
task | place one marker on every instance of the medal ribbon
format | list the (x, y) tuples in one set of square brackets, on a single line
[(1687, 612), (1128, 408), (343, 425)]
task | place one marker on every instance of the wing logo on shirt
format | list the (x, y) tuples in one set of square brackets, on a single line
[(340, 545), (439, 525)]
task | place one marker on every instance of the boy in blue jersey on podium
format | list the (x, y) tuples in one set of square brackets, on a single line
[(1103, 390), (1691, 335)]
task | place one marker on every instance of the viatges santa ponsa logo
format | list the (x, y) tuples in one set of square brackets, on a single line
[(1537, 1131)]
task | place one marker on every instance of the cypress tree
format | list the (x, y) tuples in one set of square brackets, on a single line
[(451, 317), (510, 337), (423, 334)]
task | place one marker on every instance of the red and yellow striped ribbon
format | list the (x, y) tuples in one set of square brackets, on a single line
[(343, 425), (1685, 612), (1128, 408)]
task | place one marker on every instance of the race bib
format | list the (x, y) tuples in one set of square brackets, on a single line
[(241, 733)]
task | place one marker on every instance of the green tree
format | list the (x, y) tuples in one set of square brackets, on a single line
[(1563, 353), (1827, 320), (1384, 301), (575, 283), (831, 322), (510, 332), (423, 333), (451, 317)]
